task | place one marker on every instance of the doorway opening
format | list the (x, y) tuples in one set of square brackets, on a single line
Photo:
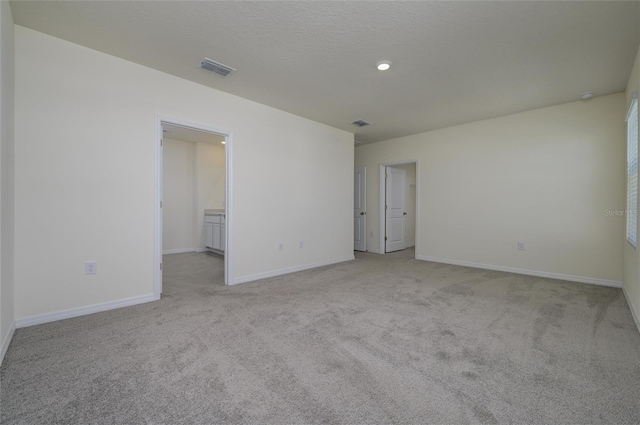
[(194, 203), (399, 205)]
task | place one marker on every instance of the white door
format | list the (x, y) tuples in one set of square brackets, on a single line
[(395, 209), (359, 209)]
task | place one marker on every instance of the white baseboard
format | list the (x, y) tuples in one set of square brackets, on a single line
[(636, 316), (581, 279), (6, 341), (39, 319), (288, 270), (182, 250), (177, 251)]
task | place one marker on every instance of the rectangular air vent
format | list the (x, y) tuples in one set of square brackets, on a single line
[(216, 67), (360, 123)]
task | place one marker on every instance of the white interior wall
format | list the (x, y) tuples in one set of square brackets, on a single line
[(7, 147), (288, 172), (631, 254), (210, 181), (545, 177), (410, 192), (178, 196)]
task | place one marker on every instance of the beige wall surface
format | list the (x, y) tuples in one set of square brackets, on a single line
[(631, 254), (546, 177), (6, 174), (178, 195), (85, 177)]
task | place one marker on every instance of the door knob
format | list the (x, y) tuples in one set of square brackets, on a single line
[(362, 213), (404, 213)]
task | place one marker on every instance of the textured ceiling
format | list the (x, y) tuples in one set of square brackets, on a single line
[(453, 62)]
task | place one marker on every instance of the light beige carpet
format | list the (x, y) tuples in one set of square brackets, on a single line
[(382, 339)]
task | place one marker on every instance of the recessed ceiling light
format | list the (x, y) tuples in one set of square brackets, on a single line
[(586, 95), (223, 142), (383, 65)]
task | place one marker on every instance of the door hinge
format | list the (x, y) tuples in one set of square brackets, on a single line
[(160, 266), (160, 142), (385, 238), (160, 204), (385, 207)]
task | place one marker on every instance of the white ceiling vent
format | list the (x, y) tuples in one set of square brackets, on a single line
[(216, 67), (360, 123)]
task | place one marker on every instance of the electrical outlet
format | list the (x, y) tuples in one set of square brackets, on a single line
[(90, 267), (301, 244), (521, 246), (280, 246)]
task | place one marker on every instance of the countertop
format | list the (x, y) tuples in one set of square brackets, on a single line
[(214, 212)]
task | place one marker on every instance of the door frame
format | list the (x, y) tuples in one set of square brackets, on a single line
[(364, 169), (228, 150), (383, 194)]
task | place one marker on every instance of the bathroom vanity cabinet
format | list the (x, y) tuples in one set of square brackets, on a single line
[(214, 231)]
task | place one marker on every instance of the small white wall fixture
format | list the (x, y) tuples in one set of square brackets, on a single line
[(383, 188), (228, 264)]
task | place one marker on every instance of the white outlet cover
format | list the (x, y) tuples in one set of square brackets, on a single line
[(90, 267)]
